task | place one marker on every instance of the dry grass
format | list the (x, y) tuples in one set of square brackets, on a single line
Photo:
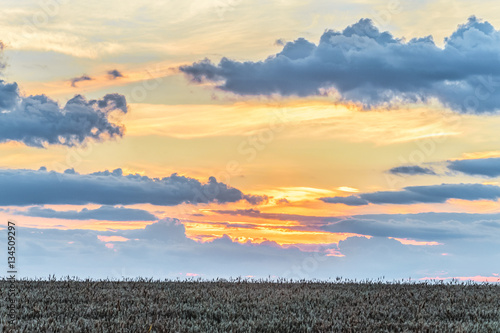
[(243, 306)]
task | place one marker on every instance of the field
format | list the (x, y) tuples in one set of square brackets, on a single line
[(250, 306)]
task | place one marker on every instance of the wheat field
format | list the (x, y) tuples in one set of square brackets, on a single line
[(237, 305)]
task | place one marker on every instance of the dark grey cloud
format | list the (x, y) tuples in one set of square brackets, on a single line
[(351, 200), (422, 194), (30, 187), (306, 220), (489, 167), (411, 170), (409, 229), (298, 49), (373, 68), (282, 201), (9, 95), (420, 226), (240, 212), (107, 213), (256, 199), (279, 42), (39, 120), (75, 80), (114, 74)]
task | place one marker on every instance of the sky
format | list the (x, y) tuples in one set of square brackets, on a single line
[(261, 139)]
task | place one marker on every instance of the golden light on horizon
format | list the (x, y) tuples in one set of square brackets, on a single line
[(259, 234)]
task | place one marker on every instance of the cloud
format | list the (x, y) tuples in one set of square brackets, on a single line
[(257, 199), (411, 226), (298, 49), (107, 213), (9, 95), (307, 221), (165, 230), (367, 66), (162, 250), (489, 167), (114, 74), (422, 194), (75, 80), (351, 200), (411, 170), (423, 226), (280, 42), (30, 187), (39, 120), (420, 226)]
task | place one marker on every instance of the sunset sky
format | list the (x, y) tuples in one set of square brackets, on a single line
[(219, 138)]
